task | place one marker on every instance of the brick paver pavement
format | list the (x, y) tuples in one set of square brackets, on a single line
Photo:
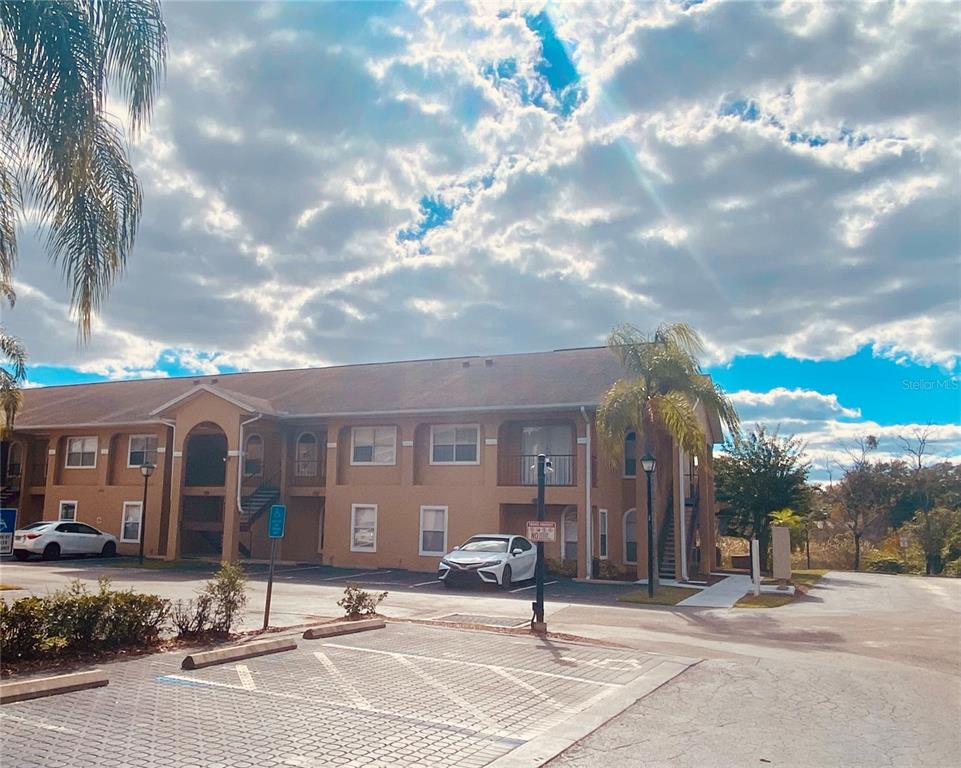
[(409, 695)]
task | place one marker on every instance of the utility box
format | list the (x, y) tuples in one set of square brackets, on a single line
[(781, 546)]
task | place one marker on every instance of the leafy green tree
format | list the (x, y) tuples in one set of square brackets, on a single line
[(13, 362), (937, 531), (759, 474), (661, 387), (793, 522), (62, 158)]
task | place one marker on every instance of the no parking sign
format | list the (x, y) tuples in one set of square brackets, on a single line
[(8, 524)]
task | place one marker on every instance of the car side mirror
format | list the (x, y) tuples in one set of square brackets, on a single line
[(455, 549), (517, 551)]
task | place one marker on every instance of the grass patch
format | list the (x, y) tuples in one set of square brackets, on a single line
[(764, 600), (802, 576), (662, 596), (163, 565), (9, 586)]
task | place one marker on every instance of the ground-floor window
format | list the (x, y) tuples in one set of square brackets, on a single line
[(433, 530), (130, 525), (68, 510), (630, 536), (602, 533), (569, 524), (363, 527)]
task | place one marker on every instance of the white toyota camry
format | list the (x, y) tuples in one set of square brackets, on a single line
[(492, 558), (52, 538)]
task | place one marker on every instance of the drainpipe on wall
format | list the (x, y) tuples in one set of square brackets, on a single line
[(589, 542), (240, 460)]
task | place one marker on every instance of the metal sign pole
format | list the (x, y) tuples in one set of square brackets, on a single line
[(270, 581), (538, 624)]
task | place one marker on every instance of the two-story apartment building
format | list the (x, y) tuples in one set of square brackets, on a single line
[(380, 466)]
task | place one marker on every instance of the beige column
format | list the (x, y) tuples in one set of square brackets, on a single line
[(231, 543), (406, 453), (679, 511), (174, 454), (707, 512)]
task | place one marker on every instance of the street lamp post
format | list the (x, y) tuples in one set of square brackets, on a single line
[(146, 469), (648, 463), (538, 623)]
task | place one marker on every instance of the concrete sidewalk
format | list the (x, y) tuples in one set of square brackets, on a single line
[(721, 595)]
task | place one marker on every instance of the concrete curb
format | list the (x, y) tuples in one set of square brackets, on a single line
[(564, 735), (237, 652), (38, 687), (343, 628)]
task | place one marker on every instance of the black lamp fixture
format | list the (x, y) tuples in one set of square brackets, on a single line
[(648, 464), (146, 469)]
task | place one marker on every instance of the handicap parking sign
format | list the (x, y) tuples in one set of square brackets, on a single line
[(8, 524)]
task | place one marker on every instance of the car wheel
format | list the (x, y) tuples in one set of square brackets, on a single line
[(51, 552), (109, 549), (21, 554), (506, 578)]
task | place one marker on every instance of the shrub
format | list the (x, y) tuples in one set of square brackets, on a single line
[(882, 563), (952, 569), (191, 618), (73, 620), (605, 569), (356, 602), (557, 567), (228, 595)]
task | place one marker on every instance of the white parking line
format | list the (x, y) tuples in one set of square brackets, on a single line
[(478, 664), (355, 697), (521, 589), (354, 575), (425, 583), (37, 723), (246, 679)]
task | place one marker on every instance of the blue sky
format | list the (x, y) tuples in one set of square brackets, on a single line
[(347, 182)]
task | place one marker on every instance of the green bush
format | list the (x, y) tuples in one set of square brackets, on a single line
[(73, 620), (952, 569), (882, 563), (608, 571), (556, 567), (228, 596), (191, 618), (356, 602)]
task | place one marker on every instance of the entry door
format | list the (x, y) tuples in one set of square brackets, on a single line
[(569, 551)]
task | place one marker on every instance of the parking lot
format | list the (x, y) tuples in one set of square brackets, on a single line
[(408, 695)]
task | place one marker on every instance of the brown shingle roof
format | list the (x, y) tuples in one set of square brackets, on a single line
[(562, 377)]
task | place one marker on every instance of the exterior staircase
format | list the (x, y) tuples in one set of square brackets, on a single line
[(254, 506), (667, 567), (9, 495)]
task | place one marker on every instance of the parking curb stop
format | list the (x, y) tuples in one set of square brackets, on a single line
[(39, 687), (237, 652), (343, 628)]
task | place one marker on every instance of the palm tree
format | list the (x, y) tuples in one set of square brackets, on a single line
[(62, 159), (13, 369), (659, 394)]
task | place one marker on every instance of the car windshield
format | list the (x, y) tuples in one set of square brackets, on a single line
[(485, 545), (32, 526)]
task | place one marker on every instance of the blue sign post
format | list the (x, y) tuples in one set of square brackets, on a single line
[(8, 524), (276, 524)]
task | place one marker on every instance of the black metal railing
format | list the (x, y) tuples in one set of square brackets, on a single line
[(522, 470), (309, 472)]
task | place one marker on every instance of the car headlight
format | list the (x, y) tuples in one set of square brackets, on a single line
[(445, 561), (489, 564)]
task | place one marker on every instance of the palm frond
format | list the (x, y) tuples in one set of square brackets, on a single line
[(621, 410), (675, 412), (14, 356), (714, 400)]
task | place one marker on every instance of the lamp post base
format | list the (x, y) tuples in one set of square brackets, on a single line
[(539, 627)]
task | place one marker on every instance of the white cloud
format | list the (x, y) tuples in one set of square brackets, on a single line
[(781, 404)]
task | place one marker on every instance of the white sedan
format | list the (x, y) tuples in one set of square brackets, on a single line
[(492, 558), (52, 538)]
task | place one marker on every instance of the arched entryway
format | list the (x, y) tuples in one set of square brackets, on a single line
[(202, 504)]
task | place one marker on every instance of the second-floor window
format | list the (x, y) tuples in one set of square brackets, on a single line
[(81, 452), (454, 444), (143, 448), (373, 445)]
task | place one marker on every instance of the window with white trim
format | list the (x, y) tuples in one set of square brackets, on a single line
[(630, 536), (306, 462), (602, 534), (454, 444), (373, 445), (68, 510), (433, 530), (142, 448), (630, 454), (130, 523), (81, 453), (363, 527)]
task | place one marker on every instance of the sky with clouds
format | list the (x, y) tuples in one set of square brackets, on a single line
[(350, 182)]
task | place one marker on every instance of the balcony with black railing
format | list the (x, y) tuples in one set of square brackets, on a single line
[(522, 470), (307, 473)]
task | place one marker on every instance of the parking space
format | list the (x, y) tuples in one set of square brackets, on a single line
[(405, 696)]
